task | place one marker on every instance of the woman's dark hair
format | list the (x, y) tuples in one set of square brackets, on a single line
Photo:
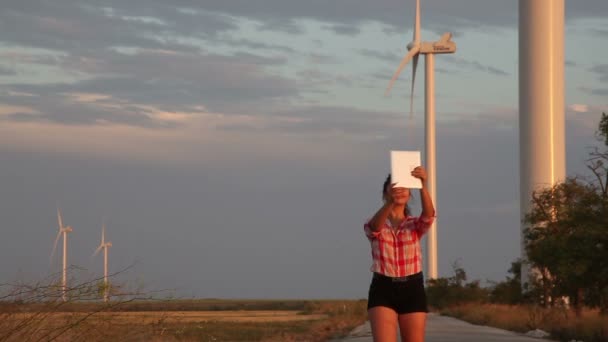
[(386, 185)]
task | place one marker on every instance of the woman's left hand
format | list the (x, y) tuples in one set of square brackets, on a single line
[(420, 173)]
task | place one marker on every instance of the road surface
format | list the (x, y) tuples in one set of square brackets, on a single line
[(448, 329)]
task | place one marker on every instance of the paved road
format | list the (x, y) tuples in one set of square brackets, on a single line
[(447, 329)]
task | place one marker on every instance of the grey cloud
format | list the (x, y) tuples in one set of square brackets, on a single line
[(74, 24), (586, 9), (385, 56), (475, 65), (443, 70), (57, 107), (595, 91), (250, 58), (448, 13), (315, 58), (315, 78), (322, 120), (599, 32), (4, 71), (601, 70), (284, 25), (347, 30), (245, 43), (21, 58), (77, 26), (172, 81)]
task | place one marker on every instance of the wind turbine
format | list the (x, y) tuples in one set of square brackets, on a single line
[(104, 245), (542, 138), (429, 50), (62, 231)]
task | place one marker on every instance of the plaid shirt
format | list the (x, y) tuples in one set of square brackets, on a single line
[(396, 251)]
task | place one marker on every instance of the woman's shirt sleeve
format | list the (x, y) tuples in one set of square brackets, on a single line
[(369, 232), (422, 224)]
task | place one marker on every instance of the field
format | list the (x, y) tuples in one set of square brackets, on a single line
[(182, 320)]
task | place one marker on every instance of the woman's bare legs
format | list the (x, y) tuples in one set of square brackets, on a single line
[(384, 323), (412, 326)]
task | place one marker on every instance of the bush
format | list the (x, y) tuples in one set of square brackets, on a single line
[(444, 292), (508, 291)]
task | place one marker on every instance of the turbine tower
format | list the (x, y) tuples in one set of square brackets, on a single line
[(104, 245), (62, 231), (429, 50), (542, 155)]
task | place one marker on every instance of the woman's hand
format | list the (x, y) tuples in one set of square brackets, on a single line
[(428, 210), (420, 173)]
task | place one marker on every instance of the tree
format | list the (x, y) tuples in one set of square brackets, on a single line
[(567, 235), (445, 292), (508, 291), (598, 160)]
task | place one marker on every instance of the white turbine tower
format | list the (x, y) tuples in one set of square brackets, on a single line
[(104, 245), (542, 155), (62, 231), (428, 49)]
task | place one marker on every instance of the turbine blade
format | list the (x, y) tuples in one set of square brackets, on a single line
[(413, 52), (417, 23), (414, 67), (103, 233), (97, 250), (55, 245), (59, 220)]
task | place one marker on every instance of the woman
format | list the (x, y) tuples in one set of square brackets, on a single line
[(396, 294)]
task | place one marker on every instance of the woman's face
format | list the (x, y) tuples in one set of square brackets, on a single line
[(400, 196)]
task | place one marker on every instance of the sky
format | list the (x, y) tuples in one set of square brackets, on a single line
[(235, 148)]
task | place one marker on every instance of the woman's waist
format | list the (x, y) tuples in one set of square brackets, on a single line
[(382, 277)]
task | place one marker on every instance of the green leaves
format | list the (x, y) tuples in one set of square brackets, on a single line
[(566, 238)]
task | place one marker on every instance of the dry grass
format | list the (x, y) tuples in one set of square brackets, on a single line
[(560, 322), (311, 321), (148, 317), (36, 312)]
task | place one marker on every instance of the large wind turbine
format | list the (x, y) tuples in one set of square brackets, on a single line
[(428, 49), (62, 231), (542, 146), (104, 245)]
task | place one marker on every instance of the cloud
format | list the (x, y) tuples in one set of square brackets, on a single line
[(599, 32), (66, 26), (250, 44), (579, 108), (281, 25), (347, 30), (165, 80), (475, 65), (316, 58), (601, 70), (70, 24), (384, 56), (602, 92), (4, 71)]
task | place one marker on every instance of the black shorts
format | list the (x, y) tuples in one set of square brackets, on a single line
[(403, 296)]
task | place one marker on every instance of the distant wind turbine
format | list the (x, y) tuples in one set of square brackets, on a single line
[(104, 245), (62, 230), (428, 49)]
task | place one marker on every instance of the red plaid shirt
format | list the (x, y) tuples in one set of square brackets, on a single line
[(396, 250)]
